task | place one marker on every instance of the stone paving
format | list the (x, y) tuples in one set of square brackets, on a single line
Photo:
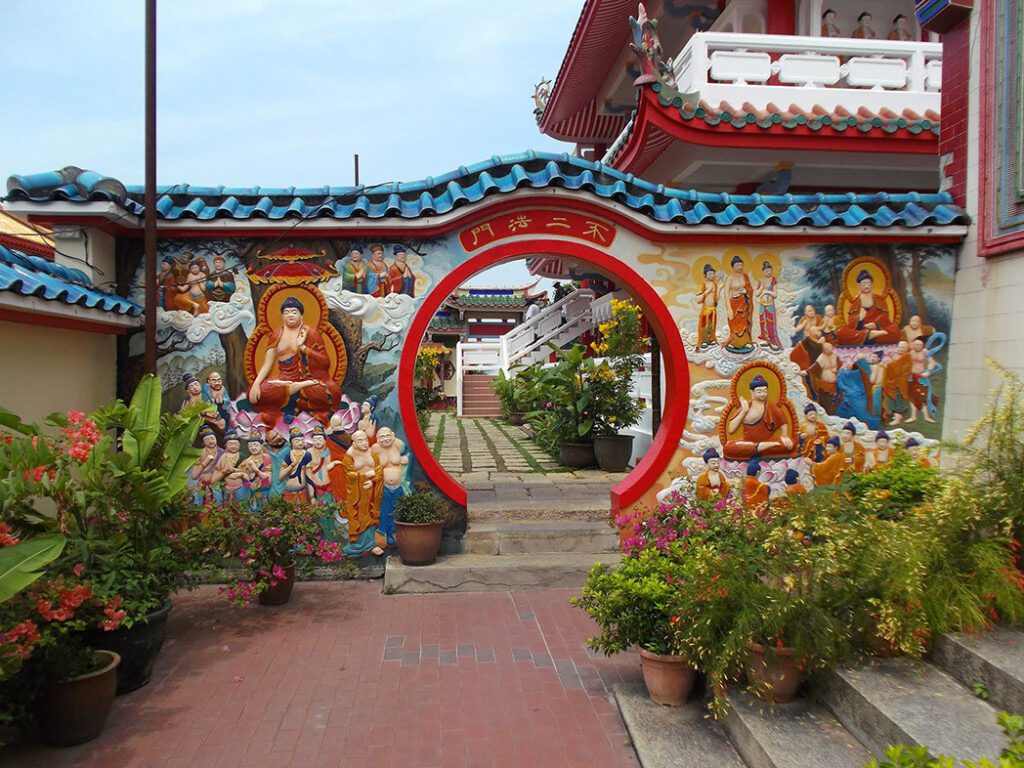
[(345, 676), (499, 462)]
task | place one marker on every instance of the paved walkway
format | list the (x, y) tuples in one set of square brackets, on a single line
[(499, 462), (346, 676)]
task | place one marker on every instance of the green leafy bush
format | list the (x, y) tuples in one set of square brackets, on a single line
[(894, 489), (421, 507), (1012, 756)]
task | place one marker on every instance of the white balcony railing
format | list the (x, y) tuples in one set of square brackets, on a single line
[(556, 324), (811, 72)]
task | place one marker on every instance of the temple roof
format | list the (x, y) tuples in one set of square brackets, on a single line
[(36, 276), (489, 301), (498, 175)]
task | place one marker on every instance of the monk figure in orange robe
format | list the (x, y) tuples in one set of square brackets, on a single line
[(853, 453), (739, 291), (793, 485), (304, 380), (881, 454), (755, 493), (914, 446), (711, 483), (813, 435), (764, 426), (364, 478), (830, 471), (867, 322)]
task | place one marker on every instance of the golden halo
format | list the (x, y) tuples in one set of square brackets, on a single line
[(727, 257), (771, 258), (697, 270), (878, 271)]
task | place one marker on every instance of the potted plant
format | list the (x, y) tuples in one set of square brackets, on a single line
[(118, 501), (426, 393), (569, 420), (43, 659), (632, 605), (265, 541), (419, 522)]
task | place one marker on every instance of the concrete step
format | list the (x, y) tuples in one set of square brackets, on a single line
[(673, 737), (794, 735), (489, 573), (565, 508), (539, 536), (899, 701), (993, 659)]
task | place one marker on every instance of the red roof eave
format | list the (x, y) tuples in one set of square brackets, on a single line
[(654, 121)]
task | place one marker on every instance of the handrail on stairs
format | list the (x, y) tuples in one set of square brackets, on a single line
[(547, 324)]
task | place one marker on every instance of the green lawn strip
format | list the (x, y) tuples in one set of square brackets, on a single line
[(439, 437), (534, 465), (467, 460), (499, 461)]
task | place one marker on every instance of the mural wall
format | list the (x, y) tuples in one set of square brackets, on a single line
[(805, 362)]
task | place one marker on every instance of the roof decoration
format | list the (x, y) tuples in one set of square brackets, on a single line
[(654, 67), (446, 322), (488, 301), (293, 272), (30, 275), (498, 175)]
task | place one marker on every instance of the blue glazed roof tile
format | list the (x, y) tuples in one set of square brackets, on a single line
[(35, 276), (438, 195)]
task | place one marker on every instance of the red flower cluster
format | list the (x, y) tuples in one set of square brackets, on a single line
[(19, 641), (115, 615), (82, 436), (67, 601), (7, 537)]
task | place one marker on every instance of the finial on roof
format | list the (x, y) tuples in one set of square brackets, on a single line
[(541, 96), (654, 67)]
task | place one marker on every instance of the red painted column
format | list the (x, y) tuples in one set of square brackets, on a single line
[(781, 17), (956, 74)]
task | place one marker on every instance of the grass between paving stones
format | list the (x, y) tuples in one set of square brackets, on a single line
[(439, 437), (534, 465), (499, 461), (467, 460)]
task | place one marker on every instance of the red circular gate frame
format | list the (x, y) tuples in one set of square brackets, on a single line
[(677, 376)]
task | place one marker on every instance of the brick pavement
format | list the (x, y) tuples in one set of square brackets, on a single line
[(346, 676)]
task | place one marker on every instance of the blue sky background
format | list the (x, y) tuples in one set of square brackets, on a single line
[(278, 92)]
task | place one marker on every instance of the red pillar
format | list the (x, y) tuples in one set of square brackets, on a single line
[(781, 17)]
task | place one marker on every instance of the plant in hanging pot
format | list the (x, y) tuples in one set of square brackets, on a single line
[(419, 524), (265, 541), (117, 500), (632, 605), (44, 664)]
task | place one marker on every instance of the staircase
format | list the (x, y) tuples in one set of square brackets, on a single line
[(479, 397), (861, 710), (550, 535)]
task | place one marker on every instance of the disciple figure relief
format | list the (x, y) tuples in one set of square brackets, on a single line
[(916, 328), (378, 273), (922, 365), (354, 276), (227, 471), (829, 471), (220, 284), (881, 453), (400, 274), (191, 296), (193, 392), (202, 471), (813, 435), (764, 426), (864, 30), (364, 477), (711, 483), (793, 485), (828, 24), (853, 453), (293, 468), (215, 394), (257, 470), (707, 297), (755, 493), (319, 467), (739, 293), (368, 420), (900, 29), (394, 461), (303, 381), (767, 291), (896, 385)]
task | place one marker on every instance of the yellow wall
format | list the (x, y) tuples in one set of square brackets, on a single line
[(43, 369)]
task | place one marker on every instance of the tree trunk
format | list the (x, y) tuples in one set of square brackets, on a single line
[(234, 361), (351, 330)]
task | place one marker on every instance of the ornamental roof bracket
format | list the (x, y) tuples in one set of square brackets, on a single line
[(654, 66), (541, 97)]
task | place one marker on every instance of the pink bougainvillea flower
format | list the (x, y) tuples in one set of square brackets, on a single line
[(76, 417)]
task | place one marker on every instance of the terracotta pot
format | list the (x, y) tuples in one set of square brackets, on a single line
[(418, 543), (138, 648), (516, 419), (777, 668), (613, 452), (577, 455), (74, 711), (669, 679), (281, 592)]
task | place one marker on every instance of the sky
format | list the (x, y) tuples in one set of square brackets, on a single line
[(278, 92)]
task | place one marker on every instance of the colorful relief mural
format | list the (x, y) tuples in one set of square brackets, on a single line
[(295, 345), (805, 362)]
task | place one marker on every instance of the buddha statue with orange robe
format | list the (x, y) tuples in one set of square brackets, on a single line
[(739, 295), (867, 321), (853, 453), (813, 435), (711, 483), (830, 470), (881, 454), (755, 493), (793, 485), (764, 426)]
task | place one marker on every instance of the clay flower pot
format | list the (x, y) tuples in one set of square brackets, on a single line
[(74, 711), (280, 592), (577, 455), (418, 543), (775, 667), (669, 679), (516, 419), (613, 452)]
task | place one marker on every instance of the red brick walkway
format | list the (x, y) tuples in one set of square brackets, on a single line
[(346, 676)]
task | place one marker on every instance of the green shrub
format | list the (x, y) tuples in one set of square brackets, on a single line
[(894, 489), (421, 507), (1012, 756)]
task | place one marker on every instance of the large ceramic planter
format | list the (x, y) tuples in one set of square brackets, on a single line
[(669, 679), (576, 455), (613, 452), (776, 668), (418, 543), (74, 711), (280, 592), (137, 646), (516, 419)]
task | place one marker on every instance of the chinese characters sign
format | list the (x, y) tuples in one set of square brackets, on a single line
[(546, 223)]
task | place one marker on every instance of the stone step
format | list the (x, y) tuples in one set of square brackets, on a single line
[(673, 737), (539, 536), (794, 735), (993, 659), (899, 701), (565, 508), (489, 573)]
